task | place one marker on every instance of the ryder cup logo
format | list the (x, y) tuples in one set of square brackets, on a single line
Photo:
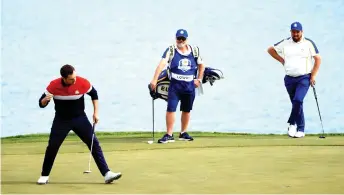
[(184, 64)]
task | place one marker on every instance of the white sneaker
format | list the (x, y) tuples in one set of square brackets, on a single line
[(299, 134), (43, 180), (292, 129), (111, 176)]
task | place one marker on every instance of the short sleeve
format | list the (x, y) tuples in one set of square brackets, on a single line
[(279, 46), (312, 47), (50, 88), (200, 60), (166, 54), (84, 84)]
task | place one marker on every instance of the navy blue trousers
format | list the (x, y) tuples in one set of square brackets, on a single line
[(297, 88), (59, 131)]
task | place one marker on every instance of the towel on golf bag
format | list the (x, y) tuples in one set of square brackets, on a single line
[(161, 91)]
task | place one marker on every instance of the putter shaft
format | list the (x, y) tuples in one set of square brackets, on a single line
[(316, 100)]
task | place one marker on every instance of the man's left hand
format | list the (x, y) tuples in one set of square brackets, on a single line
[(197, 82), (95, 118), (312, 81)]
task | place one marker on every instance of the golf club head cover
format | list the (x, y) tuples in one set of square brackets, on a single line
[(211, 75)]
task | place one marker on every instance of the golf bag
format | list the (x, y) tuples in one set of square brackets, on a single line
[(161, 91)]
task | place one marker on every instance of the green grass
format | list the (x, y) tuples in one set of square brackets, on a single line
[(214, 163)]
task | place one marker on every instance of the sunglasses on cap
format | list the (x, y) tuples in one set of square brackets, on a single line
[(181, 38)]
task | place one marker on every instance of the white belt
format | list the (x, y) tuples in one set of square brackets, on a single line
[(188, 78), (181, 77), (297, 75)]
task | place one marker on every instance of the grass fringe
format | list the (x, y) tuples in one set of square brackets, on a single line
[(145, 134)]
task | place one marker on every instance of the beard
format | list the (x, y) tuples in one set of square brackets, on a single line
[(181, 45), (296, 39)]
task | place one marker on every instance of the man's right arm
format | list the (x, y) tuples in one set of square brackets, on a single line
[(159, 68), (45, 98), (42, 101), (273, 53)]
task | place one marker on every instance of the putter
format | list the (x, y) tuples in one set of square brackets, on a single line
[(153, 118), (151, 91), (152, 141), (89, 161), (316, 99)]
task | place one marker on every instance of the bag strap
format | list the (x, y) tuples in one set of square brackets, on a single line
[(195, 51), (171, 49)]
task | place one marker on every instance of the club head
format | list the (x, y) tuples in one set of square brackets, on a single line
[(88, 171), (322, 137)]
